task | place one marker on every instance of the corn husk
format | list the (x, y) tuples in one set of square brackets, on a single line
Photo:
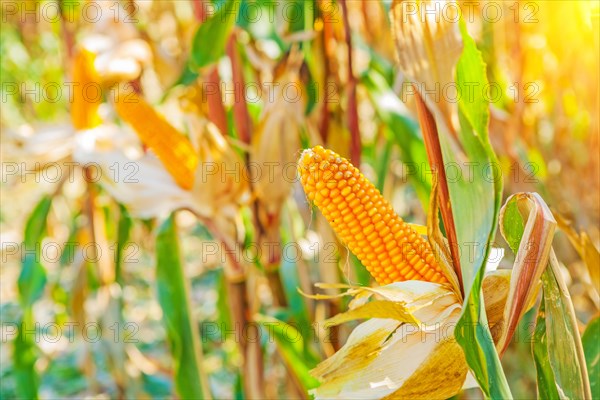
[(276, 141), (274, 148), (137, 180), (428, 46), (42, 144), (412, 321), (221, 184), (419, 330), (123, 62)]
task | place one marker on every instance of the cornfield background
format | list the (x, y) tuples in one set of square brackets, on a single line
[(157, 241)]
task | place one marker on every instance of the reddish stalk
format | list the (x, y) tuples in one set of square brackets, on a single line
[(241, 116), (199, 10), (243, 126), (216, 109), (436, 161), (355, 146), (237, 293), (327, 52)]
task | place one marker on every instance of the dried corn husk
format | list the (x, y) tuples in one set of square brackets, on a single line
[(221, 183), (137, 180), (428, 46), (410, 320), (274, 149), (276, 141)]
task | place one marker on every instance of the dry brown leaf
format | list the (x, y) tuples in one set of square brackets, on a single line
[(584, 246)]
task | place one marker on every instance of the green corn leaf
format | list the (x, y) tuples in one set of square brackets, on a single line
[(31, 283), (33, 274), (472, 102), (174, 299), (557, 347), (25, 356), (211, 38), (564, 350), (290, 344), (545, 375), (123, 232), (481, 196), (590, 340)]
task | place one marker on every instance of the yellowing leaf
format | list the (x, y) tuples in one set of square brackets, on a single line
[(586, 249), (361, 348), (375, 309)]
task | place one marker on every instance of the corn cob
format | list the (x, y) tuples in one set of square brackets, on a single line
[(172, 148), (387, 246), (86, 101)]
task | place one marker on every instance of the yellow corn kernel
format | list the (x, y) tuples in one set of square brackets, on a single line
[(86, 98), (172, 148), (388, 247)]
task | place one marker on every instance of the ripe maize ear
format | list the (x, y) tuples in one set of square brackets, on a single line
[(86, 99), (172, 148), (388, 247)]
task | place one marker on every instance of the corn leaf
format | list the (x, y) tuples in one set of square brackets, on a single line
[(545, 376), (182, 330), (557, 347), (290, 278), (564, 347), (123, 233), (532, 243), (25, 357), (481, 196), (211, 38), (368, 365), (32, 278), (352, 364), (586, 249), (590, 340), (31, 283), (291, 281), (472, 104), (290, 344)]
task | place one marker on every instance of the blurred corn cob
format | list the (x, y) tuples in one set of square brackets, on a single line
[(388, 247), (173, 149), (86, 101)]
